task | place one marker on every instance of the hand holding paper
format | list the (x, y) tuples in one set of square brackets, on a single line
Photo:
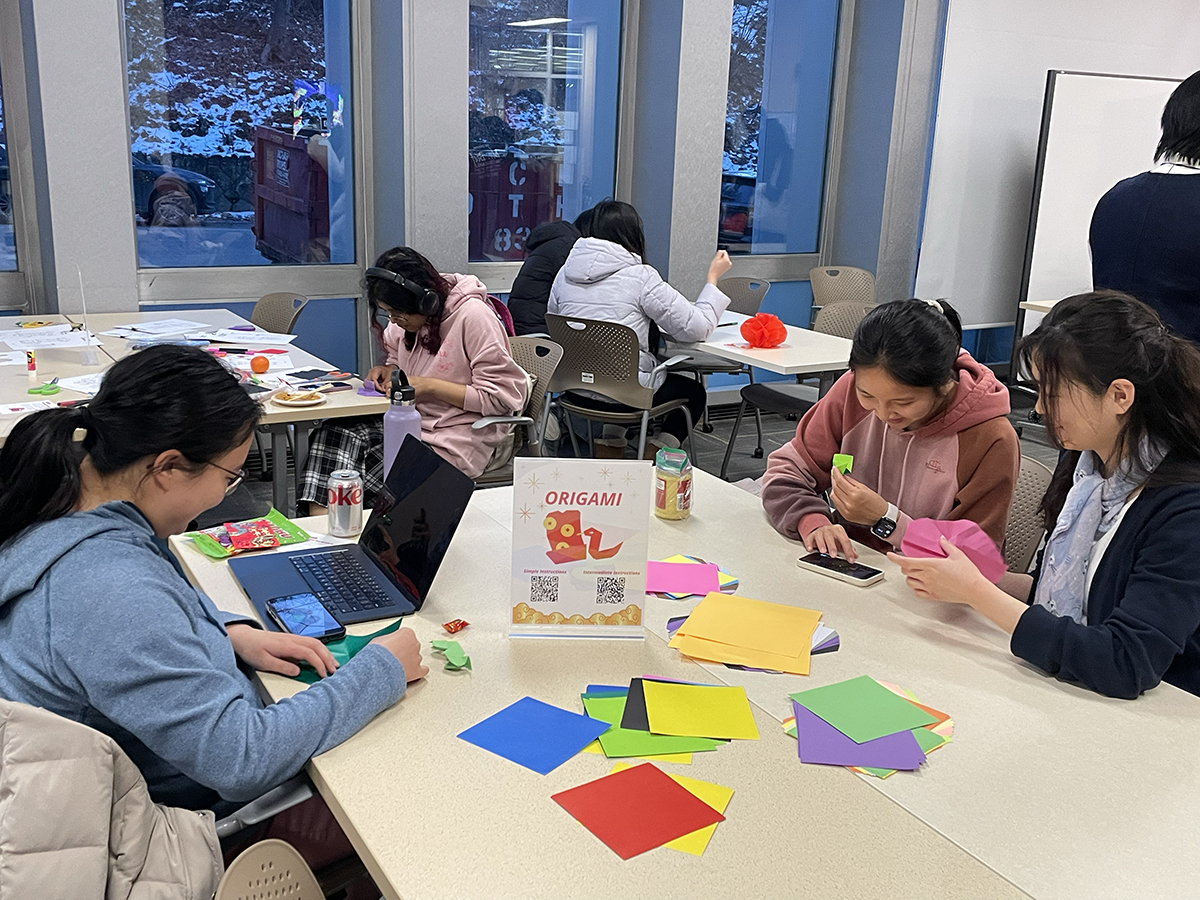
[(922, 539)]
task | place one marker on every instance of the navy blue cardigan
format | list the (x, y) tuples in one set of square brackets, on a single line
[(1145, 240), (1143, 610)]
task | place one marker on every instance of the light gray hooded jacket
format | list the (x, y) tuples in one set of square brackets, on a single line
[(602, 280)]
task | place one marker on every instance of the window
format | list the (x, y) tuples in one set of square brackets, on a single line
[(8, 241), (240, 113), (542, 107), (776, 125)]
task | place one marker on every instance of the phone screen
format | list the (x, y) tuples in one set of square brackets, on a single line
[(839, 565), (305, 615)]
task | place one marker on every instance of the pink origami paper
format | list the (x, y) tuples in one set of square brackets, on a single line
[(923, 539)]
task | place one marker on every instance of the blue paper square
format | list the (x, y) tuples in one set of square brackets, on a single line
[(534, 734)]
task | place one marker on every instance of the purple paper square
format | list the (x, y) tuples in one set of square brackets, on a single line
[(819, 742)]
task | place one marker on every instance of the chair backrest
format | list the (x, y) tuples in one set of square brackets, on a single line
[(278, 312), (833, 284), (270, 868), (841, 318), (1025, 525), (745, 294), (540, 358), (601, 357)]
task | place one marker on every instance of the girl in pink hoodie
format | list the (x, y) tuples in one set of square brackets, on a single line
[(457, 358), (926, 425)]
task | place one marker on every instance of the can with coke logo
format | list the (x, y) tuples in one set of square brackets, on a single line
[(345, 503)]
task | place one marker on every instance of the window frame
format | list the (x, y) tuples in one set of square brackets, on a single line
[(23, 287), (215, 284)]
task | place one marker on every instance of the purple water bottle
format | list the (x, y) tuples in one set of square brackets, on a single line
[(401, 418)]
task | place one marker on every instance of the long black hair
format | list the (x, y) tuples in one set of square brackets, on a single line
[(1091, 340), (617, 221), (1181, 122), (163, 398), (417, 269), (916, 342)]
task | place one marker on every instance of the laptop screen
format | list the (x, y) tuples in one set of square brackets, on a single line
[(415, 517)]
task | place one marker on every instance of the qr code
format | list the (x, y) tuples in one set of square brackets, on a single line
[(543, 589), (610, 590)]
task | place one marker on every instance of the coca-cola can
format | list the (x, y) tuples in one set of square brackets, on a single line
[(345, 503)]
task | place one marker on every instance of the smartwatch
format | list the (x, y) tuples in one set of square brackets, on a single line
[(887, 524)]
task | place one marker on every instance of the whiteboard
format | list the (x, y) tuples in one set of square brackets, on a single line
[(989, 116), (1096, 130)]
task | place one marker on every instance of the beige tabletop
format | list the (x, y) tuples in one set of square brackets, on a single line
[(804, 352), (1040, 306), (1046, 786)]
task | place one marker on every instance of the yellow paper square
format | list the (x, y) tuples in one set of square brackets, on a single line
[(699, 710), (713, 651), (753, 624), (684, 759), (715, 795)]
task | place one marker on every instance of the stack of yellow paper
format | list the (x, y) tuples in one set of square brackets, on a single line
[(726, 628)]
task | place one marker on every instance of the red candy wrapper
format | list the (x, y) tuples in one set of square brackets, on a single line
[(456, 626), (256, 535), (764, 331)]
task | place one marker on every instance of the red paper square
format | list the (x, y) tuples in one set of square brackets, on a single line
[(637, 809)]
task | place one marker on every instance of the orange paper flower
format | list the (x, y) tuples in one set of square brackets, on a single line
[(764, 331)]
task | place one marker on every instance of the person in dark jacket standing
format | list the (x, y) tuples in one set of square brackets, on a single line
[(1145, 234), (547, 249), (1116, 596)]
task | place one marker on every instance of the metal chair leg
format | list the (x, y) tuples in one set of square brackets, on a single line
[(737, 425), (642, 434), (571, 431), (706, 424), (687, 417)]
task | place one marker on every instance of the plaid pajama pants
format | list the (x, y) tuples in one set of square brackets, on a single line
[(352, 443)]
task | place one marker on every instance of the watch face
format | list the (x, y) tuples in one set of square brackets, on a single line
[(883, 528)]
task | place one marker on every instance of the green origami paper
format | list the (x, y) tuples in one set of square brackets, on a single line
[(843, 462), (456, 658), (343, 651)]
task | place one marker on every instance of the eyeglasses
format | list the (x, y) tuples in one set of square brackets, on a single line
[(396, 317), (238, 477)]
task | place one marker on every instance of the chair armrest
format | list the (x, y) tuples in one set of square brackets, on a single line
[(670, 363), (290, 793), (500, 420)]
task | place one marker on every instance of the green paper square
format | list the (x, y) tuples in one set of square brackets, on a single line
[(344, 650), (862, 709), (928, 740)]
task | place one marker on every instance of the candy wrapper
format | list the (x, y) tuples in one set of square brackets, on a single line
[(455, 626), (923, 538), (253, 534), (764, 331)]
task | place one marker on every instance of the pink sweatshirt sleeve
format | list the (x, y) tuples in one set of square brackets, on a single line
[(798, 472), (498, 386)]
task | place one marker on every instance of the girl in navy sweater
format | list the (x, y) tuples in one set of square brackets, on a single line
[(1115, 602)]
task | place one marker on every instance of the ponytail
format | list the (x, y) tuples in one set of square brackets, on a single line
[(915, 341), (163, 398)]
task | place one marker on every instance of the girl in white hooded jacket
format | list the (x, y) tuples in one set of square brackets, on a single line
[(605, 278)]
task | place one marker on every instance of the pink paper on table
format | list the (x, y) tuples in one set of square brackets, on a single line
[(923, 539), (682, 578)]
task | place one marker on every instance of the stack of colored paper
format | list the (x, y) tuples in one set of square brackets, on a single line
[(637, 808), (726, 628), (669, 578), (869, 726), (824, 640)]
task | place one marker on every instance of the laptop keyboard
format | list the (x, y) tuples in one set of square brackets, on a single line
[(345, 586)]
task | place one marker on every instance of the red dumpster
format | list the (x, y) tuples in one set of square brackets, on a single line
[(291, 199)]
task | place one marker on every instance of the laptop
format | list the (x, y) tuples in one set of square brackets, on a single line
[(389, 571)]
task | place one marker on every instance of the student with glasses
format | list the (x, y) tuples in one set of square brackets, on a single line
[(440, 329), (99, 625)]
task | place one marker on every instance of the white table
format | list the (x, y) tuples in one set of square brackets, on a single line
[(66, 363), (1038, 306), (1047, 787), (804, 352)]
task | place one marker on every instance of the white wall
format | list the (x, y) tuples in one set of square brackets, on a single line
[(989, 115)]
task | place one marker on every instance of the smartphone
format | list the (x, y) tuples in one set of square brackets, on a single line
[(841, 569), (305, 615)]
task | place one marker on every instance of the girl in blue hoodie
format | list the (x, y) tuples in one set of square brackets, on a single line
[(97, 622)]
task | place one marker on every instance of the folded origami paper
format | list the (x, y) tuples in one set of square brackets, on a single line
[(923, 538)]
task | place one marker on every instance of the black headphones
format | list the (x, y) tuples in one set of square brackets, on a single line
[(429, 302)]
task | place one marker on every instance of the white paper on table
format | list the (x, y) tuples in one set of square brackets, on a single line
[(63, 328), (16, 358), (37, 339), (160, 327), (229, 336), (280, 362), (84, 384), (820, 636), (17, 409)]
